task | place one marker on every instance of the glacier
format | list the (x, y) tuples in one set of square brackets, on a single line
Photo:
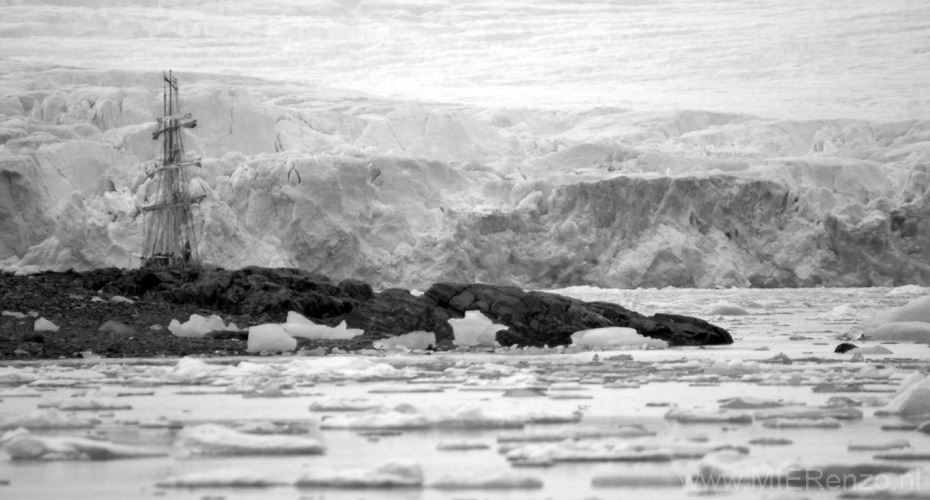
[(330, 143)]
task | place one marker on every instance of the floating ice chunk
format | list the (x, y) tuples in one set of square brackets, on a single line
[(343, 404), (387, 475), (684, 416), (912, 399), (737, 367), (221, 478), (741, 471), (50, 418), (802, 423), (44, 325), (345, 367), (298, 325), (892, 444), (197, 326), (412, 341), (908, 290), (749, 403), (119, 299), (271, 338), (475, 329), (870, 350), (30, 447), (573, 433), (902, 331), (615, 338), (638, 481), (92, 404), (191, 370), (380, 420), (485, 482), (19, 392), (917, 309), (844, 311), (14, 314), (462, 445), (211, 439), (725, 309), (600, 451), (804, 412)]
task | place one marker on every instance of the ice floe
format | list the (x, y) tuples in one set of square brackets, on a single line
[(574, 433), (50, 418), (465, 417), (212, 439), (503, 481), (25, 446), (912, 399), (900, 331), (343, 404), (221, 478), (725, 309), (737, 470), (89, 404), (615, 338), (397, 474)]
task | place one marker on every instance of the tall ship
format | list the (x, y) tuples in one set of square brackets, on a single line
[(170, 235)]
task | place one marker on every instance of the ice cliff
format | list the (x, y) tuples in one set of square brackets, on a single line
[(399, 193)]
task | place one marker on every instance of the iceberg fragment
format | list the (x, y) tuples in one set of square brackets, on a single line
[(410, 341), (221, 478), (475, 329), (400, 474), (212, 439), (298, 325), (270, 338), (30, 447), (615, 338), (197, 326), (44, 325)]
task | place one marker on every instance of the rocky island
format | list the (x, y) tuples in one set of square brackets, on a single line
[(143, 302)]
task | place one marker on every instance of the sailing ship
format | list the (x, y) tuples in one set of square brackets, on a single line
[(170, 236)]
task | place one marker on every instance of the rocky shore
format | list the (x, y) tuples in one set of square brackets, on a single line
[(141, 303)]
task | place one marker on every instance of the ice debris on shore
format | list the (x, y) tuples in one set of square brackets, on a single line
[(298, 325), (615, 338), (412, 341), (44, 325), (269, 338), (198, 326), (475, 330), (212, 439)]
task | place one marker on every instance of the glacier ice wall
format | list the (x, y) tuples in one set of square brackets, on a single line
[(400, 193)]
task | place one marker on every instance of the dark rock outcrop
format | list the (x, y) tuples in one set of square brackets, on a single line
[(539, 318), (266, 295)]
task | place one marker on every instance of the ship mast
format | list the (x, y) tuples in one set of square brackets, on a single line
[(170, 238)]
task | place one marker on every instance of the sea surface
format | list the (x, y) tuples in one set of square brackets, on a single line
[(783, 353)]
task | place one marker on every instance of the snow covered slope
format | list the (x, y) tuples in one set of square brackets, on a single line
[(567, 163)]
